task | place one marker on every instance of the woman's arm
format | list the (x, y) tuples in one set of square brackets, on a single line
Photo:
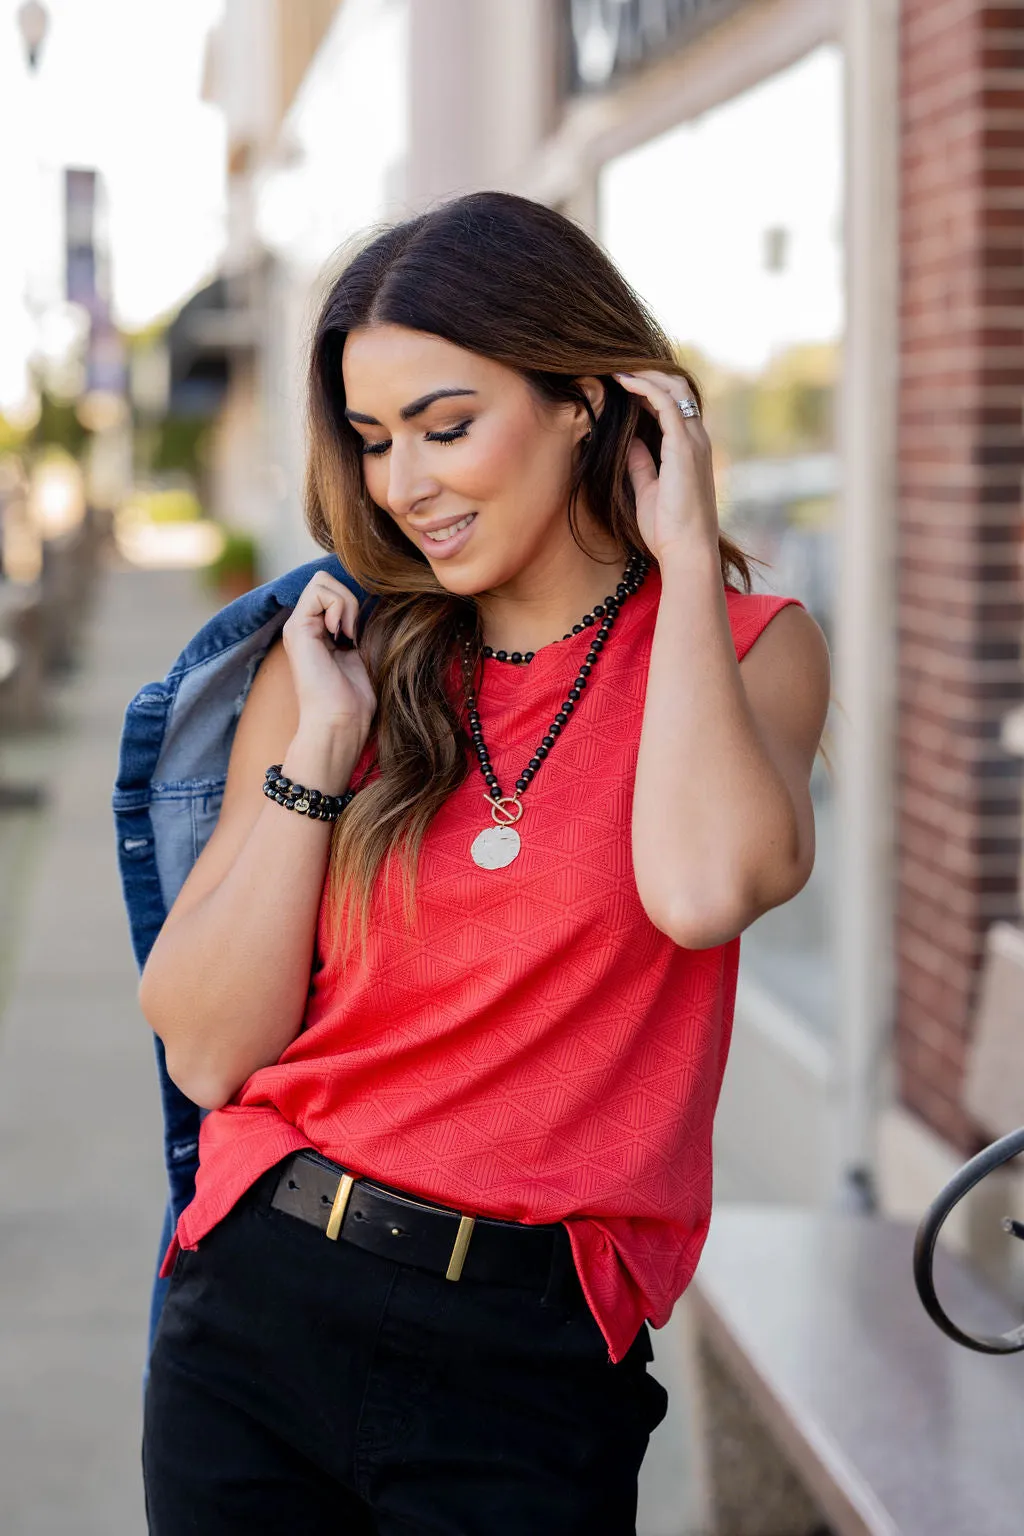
[(226, 983), (723, 826)]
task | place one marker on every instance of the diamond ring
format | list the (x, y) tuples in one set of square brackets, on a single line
[(688, 407)]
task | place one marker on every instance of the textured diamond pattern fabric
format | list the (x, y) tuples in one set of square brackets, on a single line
[(532, 1048)]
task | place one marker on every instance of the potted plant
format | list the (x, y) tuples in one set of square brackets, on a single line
[(234, 571)]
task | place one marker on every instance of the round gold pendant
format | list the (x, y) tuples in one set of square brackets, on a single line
[(495, 847)]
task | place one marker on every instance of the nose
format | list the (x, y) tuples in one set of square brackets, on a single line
[(410, 488)]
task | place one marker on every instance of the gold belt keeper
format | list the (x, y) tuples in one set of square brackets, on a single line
[(339, 1207), (461, 1248)]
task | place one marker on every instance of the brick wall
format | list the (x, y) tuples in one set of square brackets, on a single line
[(961, 452)]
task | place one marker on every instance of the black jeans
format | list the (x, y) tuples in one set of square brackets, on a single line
[(302, 1387)]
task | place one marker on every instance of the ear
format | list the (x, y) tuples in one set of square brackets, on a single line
[(593, 388)]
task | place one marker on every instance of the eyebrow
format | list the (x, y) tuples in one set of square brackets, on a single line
[(414, 408)]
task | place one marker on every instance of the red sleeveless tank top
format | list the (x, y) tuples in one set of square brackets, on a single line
[(532, 1048)]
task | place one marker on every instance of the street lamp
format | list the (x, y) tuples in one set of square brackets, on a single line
[(33, 24)]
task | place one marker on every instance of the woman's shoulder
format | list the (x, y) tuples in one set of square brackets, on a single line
[(750, 613)]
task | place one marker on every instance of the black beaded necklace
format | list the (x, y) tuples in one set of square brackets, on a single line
[(498, 845), (523, 658)]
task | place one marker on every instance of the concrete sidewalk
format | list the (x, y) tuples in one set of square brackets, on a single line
[(81, 1182)]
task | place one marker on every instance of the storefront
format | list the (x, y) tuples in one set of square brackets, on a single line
[(720, 152), (742, 262)]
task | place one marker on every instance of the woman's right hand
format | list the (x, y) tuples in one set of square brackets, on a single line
[(332, 685)]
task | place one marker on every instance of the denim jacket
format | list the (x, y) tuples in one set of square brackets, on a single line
[(170, 781)]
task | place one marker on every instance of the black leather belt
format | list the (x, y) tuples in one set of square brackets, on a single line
[(412, 1231)]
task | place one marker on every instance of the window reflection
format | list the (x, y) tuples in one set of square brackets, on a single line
[(730, 227)]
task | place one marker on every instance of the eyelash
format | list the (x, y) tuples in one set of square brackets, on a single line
[(452, 435)]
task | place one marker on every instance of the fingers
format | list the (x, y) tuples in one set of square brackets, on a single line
[(675, 385), (659, 393), (352, 667), (325, 595), (680, 498), (640, 464)]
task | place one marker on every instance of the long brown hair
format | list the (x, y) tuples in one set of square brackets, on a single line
[(514, 281)]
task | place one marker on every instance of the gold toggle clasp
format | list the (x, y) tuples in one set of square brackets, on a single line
[(462, 1237), (506, 811)]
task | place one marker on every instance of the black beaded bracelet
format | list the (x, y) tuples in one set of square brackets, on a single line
[(308, 802)]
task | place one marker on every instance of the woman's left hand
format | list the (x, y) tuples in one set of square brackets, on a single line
[(677, 504)]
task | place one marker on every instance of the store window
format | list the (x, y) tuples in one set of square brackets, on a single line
[(730, 227)]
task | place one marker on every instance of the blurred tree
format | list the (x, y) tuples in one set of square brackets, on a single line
[(58, 427), (792, 405), (12, 438), (180, 443), (168, 441), (786, 410)]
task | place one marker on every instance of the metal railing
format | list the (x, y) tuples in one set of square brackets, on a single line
[(961, 1184)]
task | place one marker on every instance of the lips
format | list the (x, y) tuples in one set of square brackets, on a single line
[(449, 531), (446, 541)]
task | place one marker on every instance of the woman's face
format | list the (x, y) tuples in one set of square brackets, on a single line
[(474, 469)]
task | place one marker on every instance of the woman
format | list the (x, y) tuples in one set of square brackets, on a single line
[(454, 974)]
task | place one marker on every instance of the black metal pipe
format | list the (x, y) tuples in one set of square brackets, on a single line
[(959, 1185)]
